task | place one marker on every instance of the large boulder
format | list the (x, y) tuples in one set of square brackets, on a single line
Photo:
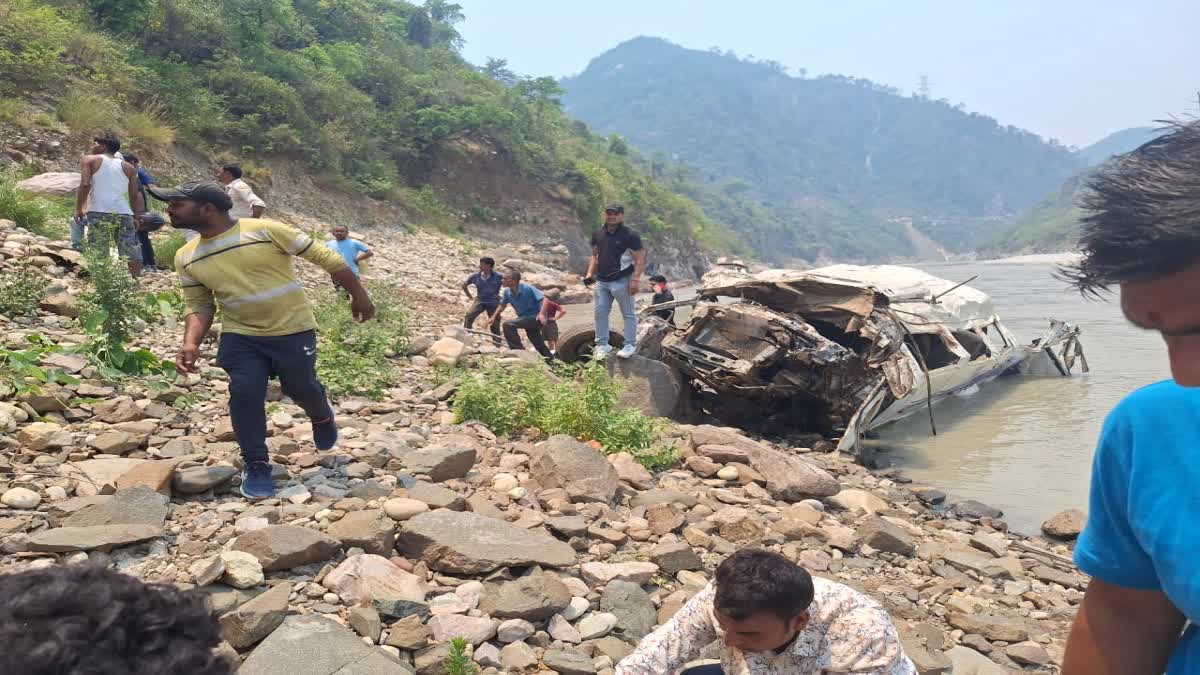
[(468, 543), (53, 183), (534, 598), (95, 538), (632, 606), (789, 478), (371, 530), (446, 352), (652, 387), (138, 505), (254, 620), (99, 476), (282, 547), (578, 468), (315, 645), (440, 463), (362, 579), (1066, 524)]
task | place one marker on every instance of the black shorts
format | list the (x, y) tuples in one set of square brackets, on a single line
[(550, 330)]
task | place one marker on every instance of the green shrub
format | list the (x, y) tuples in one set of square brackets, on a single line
[(87, 113), (10, 111), (21, 371), (353, 358), (165, 247), (21, 291), (147, 127), (23, 209), (582, 404), (457, 662)]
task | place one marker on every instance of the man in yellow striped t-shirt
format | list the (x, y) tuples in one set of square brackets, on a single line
[(244, 266)]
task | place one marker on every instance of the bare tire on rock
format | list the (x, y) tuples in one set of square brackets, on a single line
[(575, 344)]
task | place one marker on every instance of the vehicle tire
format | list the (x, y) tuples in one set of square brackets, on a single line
[(575, 344)]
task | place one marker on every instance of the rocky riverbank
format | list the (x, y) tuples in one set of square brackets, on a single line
[(545, 554)]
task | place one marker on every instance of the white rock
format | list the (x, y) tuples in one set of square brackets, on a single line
[(207, 570), (21, 498), (518, 493), (402, 508), (728, 473), (577, 608), (503, 482), (242, 570), (515, 630), (596, 625), (598, 573), (56, 493)]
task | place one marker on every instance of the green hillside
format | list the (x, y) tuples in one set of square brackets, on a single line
[(360, 91), (1053, 224), (810, 167)]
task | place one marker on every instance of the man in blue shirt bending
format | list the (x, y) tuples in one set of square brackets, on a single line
[(530, 306), (1141, 544), (487, 295), (353, 251)]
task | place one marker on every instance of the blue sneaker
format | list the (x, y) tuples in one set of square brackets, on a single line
[(325, 433), (256, 481)]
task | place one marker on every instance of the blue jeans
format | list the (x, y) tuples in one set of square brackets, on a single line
[(606, 292), (250, 361)]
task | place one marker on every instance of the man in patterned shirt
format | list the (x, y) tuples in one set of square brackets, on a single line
[(773, 618)]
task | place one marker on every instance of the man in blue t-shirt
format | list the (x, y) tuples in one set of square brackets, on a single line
[(487, 295), (353, 251), (1140, 545), (530, 306)]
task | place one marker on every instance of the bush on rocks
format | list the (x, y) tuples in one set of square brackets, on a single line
[(353, 359), (583, 405), (22, 291)]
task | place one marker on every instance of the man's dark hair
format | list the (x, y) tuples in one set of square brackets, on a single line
[(515, 274), (754, 580), (109, 141), (490, 262), (84, 619), (233, 169), (658, 279), (132, 159), (1143, 213)]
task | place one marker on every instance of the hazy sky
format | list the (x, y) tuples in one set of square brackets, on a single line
[(1075, 70)]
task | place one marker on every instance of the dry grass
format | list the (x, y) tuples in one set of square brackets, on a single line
[(148, 127), (10, 111), (87, 114)]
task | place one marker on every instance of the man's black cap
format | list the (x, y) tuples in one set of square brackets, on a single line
[(205, 192), (619, 208)]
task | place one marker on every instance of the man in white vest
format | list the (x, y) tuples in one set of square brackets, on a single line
[(108, 192)]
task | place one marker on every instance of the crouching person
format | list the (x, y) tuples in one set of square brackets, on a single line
[(773, 618), (530, 306)]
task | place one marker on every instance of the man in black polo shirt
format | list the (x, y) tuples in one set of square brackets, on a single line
[(617, 262)]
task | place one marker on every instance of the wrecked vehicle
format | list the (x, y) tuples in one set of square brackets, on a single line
[(843, 349)]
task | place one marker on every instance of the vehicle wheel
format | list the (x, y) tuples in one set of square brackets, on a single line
[(575, 344)]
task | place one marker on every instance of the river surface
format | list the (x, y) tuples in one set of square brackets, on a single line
[(1021, 444)]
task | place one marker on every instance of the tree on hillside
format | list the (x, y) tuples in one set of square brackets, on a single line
[(498, 70)]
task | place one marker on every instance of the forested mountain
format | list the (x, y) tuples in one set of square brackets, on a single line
[(816, 167), (1053, 224), (360, 92)]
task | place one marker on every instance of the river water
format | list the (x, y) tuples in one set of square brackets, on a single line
[(1021, 444)]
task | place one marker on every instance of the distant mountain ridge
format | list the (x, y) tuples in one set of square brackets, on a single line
[(831, 167), (1053, 223)]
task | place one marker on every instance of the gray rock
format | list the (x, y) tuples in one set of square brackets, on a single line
[(429, 661), (652, 497), (568, 663), (116, 410), (568, 526), (408, 633), (370, 489), (315, 645), (468, 543), (991, 626), (973, 510), (440, 463), (535, 597), (138, 505), (967, 661), (398, 608), (282, 547), (366, 622), (436, 496), (881, 535), (473, 629), (1053, 576), (1028, 654), (253, 621), (790, 478), (372, 531), (515, 630), (675, 557), (518, 656), (95, 538), (578, 468), (650, 386), (632, 606), (198, 479), (596, 625), (724, 454), (614, 648)]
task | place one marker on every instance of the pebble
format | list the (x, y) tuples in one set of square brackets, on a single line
[(21, 498)]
